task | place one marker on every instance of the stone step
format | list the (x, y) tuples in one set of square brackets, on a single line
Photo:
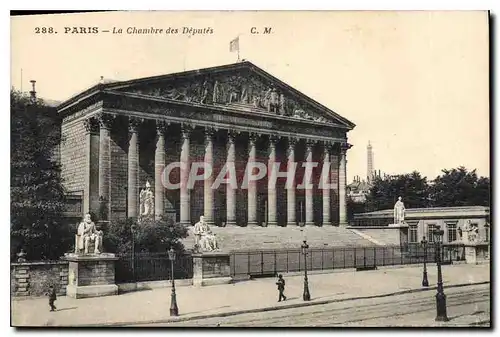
[(262, 238)]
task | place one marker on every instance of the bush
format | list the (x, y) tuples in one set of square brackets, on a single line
[(150, 236)]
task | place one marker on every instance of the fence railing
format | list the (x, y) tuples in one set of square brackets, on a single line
[(151, 267), (272, 262), (156, 266)]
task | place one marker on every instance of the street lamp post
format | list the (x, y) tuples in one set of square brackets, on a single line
[(306, 296), (440, 296), (425, 281), (132, 230), (174, 310)]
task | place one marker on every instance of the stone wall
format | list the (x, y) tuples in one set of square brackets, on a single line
[(73, 155), (34, 278)]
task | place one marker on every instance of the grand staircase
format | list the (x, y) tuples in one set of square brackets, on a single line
[(274, 238)]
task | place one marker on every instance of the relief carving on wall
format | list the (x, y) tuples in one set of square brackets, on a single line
[(249, 90)]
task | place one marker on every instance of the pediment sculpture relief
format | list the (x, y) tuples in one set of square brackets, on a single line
[(230, 89)]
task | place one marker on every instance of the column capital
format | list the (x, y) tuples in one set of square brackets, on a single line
[(253, 137), (134, 123), (231, 135), (91, 125), (326, 153), (344, 147), (292, 141), (273, 139), (186, 130), (161, 127), (310, 143), (105, 120)]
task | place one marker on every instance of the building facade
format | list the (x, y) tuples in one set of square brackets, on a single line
[(423, 221), (119, 137)]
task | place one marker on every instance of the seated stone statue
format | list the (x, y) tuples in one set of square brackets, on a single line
[(204, 238), (86, 234)]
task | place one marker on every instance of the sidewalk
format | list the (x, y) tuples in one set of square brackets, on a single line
[(152, 306)]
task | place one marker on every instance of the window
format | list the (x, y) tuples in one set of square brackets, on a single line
[(413, 234), (430, 232), (452, 232)]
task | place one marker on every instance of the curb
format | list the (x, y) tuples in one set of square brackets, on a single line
[(273, 308)]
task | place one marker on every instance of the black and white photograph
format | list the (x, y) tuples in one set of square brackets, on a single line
[(250, 169)]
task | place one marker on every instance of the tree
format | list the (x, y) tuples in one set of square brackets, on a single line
[(151, 236), (459, 187), (37, 194), (412, 187)]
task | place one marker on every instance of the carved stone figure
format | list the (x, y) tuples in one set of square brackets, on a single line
[(256, 101), (233, 96), (267, 100), (217, 96), (205, 240), (274, 101), (282, 110), (470, 233), (399, 212), (244, 93), (204, 92), (146, 200), (176, 94), (297, 113), (86, 234)]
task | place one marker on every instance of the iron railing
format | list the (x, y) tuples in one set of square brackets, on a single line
[(156, 266), (151, 267), (272, 262)]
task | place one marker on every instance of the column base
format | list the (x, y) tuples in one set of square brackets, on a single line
[(272, 223), (231, 223), (310, 224), (343, 224), (292, 224), (253, 224)]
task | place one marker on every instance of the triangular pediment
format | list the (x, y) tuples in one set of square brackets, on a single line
[(242, 86)]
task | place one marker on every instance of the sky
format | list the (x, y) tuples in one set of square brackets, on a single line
[(414, 83)]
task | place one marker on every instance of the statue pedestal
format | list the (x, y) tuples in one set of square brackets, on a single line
[(476, 252), (211, 268), (91, 275)]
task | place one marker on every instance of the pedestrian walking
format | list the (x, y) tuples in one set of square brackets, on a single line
[(52, 297), (281, 288)]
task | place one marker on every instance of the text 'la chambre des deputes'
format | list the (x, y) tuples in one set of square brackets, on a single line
[(132, 30)]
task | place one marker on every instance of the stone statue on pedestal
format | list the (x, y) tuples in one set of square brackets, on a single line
[(87, 234), (205, 240), (399, 212), (146, 201), (470, 233)]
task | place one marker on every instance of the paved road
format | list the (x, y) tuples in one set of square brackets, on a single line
[(466, 306)]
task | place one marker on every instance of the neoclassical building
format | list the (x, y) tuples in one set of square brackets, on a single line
[(120, 136)]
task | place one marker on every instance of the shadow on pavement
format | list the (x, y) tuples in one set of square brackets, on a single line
[(72, 308)]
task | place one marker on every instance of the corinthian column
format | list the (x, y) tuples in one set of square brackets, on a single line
[(230, 191), (105, 123), (159, 167), (252, 184), (343, 185), (133, 167), (208, 202), (91, 189), (185, 212), (291, 208), (271, 192), (325, 176), (308, 187)]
